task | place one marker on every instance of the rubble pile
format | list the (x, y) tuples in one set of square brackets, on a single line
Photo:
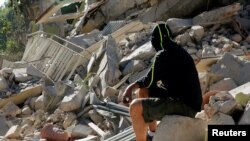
[(57, 97)]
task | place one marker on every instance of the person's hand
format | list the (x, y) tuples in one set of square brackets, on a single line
[(127, 97)]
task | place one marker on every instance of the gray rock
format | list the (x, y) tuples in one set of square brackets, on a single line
[(226, 84), (166, 9), (73, 101), (21, 75), (197, 32), (138, 75), (14, 132), (230, 66), (4, 125), (10, 109), (39, 103), (3, 83), (26, 110), (145, 53), (95, 116), (134, 66), (82, 131), (183, 39), (208, 52), (236, 37), (109, 67), (245, 117), (221, 119), (179, 25), (171, 129), (69, 119)]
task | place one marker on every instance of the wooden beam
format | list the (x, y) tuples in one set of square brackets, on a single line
[(20, 98), (94, 127)]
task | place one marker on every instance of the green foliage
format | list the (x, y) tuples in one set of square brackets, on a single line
[(12, 31)]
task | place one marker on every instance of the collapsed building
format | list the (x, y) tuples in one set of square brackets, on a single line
[(70, 81)]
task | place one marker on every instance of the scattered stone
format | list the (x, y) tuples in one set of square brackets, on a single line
[(69, 119), (226, 84), (26, 110), (73, 101), (197, 32), (14, 132), (10, 109), (221, 119), (82, 131)]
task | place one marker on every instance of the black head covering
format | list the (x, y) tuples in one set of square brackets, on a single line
[(161, 36)]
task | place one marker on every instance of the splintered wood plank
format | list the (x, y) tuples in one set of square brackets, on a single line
[(94, 127), (20, 98)]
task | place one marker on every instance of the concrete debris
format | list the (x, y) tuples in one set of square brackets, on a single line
[(4, 125), (231, 66), (226, 84), (196, 132), (69, 87), (217, 16), (179, 25), (81, 131), (245, 117), (221, 119), (10, 109), (14, 132)]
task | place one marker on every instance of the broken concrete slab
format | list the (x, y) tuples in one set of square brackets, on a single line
[(226, 84), (138, 75), (169, 127), (73, 101), (170, 8), (53, 93), (245, 89), (178, 25), (232, 66), (116, 8), (220, 15), (134, 66), (109, 67), (145, 53), (117, 35)]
